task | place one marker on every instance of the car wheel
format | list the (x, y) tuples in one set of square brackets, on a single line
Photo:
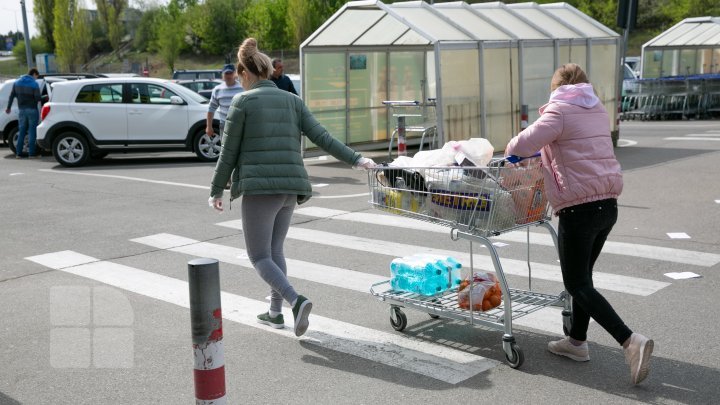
[(71, 149), (12, 140), (207, 148)]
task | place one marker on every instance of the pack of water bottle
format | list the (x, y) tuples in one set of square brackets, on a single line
[(425, 274)]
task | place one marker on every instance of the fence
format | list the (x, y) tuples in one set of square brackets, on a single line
[(679, 97)]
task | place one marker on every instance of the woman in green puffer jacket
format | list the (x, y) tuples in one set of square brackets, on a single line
[(261, 150)]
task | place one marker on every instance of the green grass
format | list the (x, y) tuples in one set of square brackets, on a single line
[(11, 68)]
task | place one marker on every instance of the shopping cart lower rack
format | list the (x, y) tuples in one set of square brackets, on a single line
[(477, 203)]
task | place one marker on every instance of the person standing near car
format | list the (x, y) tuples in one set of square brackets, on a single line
[(583, 180), (281, 81), (262, 152), (27, 92), (221, 98)]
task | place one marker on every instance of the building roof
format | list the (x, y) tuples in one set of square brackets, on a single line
[(698, 31), (373, 23)]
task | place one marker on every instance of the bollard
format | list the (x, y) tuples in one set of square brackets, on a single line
[(402, 148), (206, 325), (523, 116)]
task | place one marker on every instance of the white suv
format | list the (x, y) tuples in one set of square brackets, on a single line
[(94, 117)]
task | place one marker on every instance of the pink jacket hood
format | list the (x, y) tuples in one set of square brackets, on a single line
[(580, 94)]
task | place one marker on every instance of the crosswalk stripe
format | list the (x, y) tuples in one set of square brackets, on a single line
[(619, 248), (689, 138), (318, 273), (546, 319), (420, 357), (606, 281)]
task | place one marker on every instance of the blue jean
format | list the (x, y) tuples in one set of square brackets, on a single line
[(582, 232), (27, 125)]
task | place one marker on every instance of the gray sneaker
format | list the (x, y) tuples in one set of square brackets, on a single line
[(278, 322), (637, 356), (563, 347), (301, 312)]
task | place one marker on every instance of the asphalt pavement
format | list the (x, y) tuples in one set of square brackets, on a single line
[(93, 292)]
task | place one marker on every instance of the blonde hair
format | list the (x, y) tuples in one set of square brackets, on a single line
[(256, 62), (569, 73)]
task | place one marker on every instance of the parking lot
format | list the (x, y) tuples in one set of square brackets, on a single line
[(94, 276)]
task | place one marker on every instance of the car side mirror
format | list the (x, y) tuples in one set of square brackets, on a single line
[(175, 100)]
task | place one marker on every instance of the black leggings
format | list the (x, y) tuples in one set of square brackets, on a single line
[(581, 235)]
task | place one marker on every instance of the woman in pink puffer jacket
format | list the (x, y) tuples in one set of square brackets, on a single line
[(582, 182)]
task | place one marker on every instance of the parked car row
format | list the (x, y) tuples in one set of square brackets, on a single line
[(91, 118)]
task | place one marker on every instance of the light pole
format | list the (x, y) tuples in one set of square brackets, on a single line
[(28, 50)]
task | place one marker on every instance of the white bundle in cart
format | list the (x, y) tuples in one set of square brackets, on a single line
[(460, 196)]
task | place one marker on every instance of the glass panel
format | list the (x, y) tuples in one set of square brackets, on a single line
[(510, 22), (498, 97), (704, 60), (334, 123), (578, 54), (460, 80), (406, 76), (347, 27), (652, 63), (669, 37), (430, 23), (688, 62), (384, 32), (324, 81), (711, 31), (716, 61), (473, 23), (690, 36), (563, 55), (603, 78), (431, 85), (368, 125), (576, 21), (368, 79), (412, 38), (549, 24), (538, 68), (669, 63)]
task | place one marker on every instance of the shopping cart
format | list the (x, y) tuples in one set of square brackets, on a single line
[(476, 203)]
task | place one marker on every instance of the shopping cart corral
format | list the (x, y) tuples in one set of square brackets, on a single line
[(476, 203)]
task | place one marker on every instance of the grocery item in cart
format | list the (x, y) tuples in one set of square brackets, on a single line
[(526, 185), (465, 197), (425, 274), (486, 293)]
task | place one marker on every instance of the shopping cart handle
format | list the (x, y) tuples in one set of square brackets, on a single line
[(515, 158)]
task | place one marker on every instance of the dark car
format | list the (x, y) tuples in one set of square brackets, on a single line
[(196, 74), (203, 87)]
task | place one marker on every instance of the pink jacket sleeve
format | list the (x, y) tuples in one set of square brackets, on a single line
[(542, 132)]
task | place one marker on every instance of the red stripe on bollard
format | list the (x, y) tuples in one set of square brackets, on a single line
[(210, 384)]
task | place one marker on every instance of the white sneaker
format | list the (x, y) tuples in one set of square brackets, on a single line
[(563, 347), (637, 356)]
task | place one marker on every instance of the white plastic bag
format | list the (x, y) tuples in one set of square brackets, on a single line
[(486, 293)]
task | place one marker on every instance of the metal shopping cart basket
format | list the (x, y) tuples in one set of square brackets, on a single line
[(476, 203)]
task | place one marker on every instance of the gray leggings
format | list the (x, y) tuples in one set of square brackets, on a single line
[(266, 220)]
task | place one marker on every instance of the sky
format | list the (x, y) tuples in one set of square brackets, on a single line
[(10, 10)]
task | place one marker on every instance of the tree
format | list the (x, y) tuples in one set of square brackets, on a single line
[(109, 12), (37, 44), (170, 33), (72, 34), (219, 26), (305, 16), (146, 33), (45, 21), (270, 24)]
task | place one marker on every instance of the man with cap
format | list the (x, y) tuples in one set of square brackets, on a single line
[(221, 98)]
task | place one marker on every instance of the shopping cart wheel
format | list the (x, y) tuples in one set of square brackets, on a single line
[(517, 356), (398, 320)]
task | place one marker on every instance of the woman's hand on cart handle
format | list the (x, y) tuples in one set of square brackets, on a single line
[(364, 164), (516, 159)]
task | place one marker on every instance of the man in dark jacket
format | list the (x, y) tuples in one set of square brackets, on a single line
[(281, 81), (27, 92)]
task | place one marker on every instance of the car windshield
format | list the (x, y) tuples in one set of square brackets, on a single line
[(187, 93)]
